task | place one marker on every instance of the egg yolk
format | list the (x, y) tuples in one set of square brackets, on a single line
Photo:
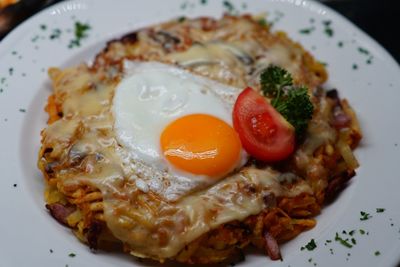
[(201, 144)]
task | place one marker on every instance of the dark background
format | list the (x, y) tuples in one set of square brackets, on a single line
[(379, 18)]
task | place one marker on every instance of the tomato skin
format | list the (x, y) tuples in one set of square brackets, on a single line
[(264, 133)]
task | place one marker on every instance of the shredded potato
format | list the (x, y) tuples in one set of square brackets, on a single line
[(319, 161)]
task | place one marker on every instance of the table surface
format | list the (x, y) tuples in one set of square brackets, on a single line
[(377, 18)]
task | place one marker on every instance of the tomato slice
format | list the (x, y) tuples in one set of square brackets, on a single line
[(264, 133)]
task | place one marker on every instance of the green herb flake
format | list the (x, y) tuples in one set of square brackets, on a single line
[(181, 19), (355, 66), (331, 251), (353, 241), (71, 255), (329, 32), (56, 33), (327, 22), (51, 251), (328, 241), (203, 2), (11, 71), (263, 22), (43, 27), (377, 253), (380, 210), (342, 241), (80, 32), (362, 231), (340, 44), (344, 232), (369, 61), (364, 216), (310, 260), (363, 51), (311, 245), (14, 53), (22, 110), (1, 90), (307, 30), (352, 232), (229, 6), (15, 185), (327, 28)]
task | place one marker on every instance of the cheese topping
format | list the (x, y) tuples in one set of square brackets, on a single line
[(136, 208)]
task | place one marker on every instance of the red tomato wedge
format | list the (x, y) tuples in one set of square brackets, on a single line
[(264, 133)]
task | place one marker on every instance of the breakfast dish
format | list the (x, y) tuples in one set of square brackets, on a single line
[(361, 70), (141, 150)]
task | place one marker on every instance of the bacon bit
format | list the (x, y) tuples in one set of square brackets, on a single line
[(130, 38), (93, 233), (340, 119), (270, 200), (60, 212), (336, 184), (334, 95), (272, 247)]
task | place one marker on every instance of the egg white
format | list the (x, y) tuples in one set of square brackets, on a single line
[(150, 96)]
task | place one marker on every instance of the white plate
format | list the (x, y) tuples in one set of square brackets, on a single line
[(28, 233)]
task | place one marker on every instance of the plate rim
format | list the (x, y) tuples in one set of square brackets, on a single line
[(14, 35)]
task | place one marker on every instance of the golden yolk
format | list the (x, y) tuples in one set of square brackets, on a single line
[(201, 144)]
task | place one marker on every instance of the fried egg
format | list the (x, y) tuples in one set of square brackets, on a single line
[(177, 123)]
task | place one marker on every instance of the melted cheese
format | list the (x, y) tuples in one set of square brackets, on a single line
[(214, 61), (135, 207), (162, 229), (232, 63)]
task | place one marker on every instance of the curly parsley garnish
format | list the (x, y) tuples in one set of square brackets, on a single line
[(293, 102)]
